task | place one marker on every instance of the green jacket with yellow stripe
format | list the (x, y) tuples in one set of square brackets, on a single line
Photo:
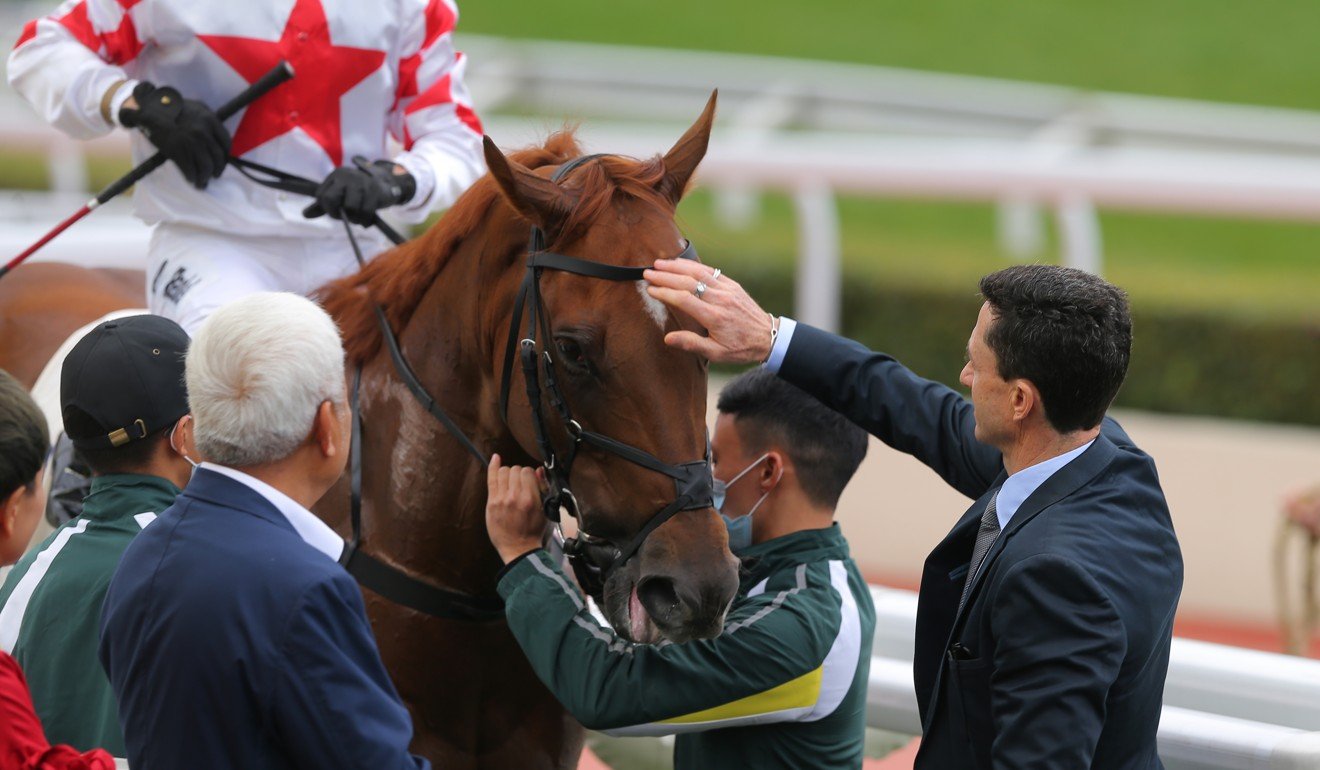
[(784, 686)]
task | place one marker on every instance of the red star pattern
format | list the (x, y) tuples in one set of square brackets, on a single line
[(324, 73)]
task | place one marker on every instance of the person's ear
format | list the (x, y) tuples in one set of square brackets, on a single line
[(9, 513), (181, 436), (1025, 399), (325, 430), (772, 471)]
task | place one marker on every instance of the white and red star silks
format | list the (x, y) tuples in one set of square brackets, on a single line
[(365, 71)]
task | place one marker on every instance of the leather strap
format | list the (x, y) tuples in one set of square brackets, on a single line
[(390, 581), (403, 589)]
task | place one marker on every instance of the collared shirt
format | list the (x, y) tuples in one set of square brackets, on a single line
[(1020, 485), (312, 530)]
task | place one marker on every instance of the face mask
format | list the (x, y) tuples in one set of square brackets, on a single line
[(740, 527), (179, 449)]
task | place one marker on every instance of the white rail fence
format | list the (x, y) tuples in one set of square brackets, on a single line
[(813, 130)]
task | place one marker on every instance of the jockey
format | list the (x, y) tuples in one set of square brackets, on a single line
[(364, 72)]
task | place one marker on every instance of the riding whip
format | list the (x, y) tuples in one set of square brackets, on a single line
[(277, 75)]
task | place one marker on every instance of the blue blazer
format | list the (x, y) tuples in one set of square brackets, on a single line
[(232, 643), (1059, 657)]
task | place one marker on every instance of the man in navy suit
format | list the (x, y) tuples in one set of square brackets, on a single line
[(1045, 616), (231, 635)]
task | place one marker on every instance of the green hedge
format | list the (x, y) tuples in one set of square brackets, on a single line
[(1181, 362)]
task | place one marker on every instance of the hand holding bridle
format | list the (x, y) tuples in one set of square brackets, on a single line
[(738, 331), (513, 509)]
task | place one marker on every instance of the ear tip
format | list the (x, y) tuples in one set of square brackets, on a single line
[(495, 160)]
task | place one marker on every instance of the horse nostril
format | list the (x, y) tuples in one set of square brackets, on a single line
[(660, 598)]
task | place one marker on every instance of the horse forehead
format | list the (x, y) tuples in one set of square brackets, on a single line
[(653, 307)]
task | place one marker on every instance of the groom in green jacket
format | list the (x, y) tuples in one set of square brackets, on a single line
[(784, 685), (125, 407)]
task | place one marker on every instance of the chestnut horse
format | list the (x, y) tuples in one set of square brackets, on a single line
[(449, 296)]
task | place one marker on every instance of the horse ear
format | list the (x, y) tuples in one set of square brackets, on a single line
[(537, 198), (683, 158)]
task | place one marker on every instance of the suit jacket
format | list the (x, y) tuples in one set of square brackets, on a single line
[(232, 643), (1059, 657)]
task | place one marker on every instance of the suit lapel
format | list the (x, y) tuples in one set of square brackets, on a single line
[(941, 587), (1063, 483), (958, 544)]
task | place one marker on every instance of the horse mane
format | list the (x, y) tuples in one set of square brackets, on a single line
[(398, 279)]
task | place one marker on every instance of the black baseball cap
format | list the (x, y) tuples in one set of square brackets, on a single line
[(123, 381)]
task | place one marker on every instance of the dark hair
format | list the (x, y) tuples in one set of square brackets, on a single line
[(132, 457), (24, 439), (1067, 331), (824, 446)]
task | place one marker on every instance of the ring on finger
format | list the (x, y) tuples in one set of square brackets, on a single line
[(715, 276), (700, 291)]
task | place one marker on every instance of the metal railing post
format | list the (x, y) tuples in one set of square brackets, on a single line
[(819, 287), (1079, 233)]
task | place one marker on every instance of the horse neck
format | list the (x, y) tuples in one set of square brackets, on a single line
[(429, 492)]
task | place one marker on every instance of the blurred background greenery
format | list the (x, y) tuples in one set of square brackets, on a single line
[(1246, 51), (1227, 310)]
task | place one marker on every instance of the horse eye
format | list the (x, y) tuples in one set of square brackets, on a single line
[(571, 354)]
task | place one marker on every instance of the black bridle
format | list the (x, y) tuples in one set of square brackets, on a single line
[(592, 558)]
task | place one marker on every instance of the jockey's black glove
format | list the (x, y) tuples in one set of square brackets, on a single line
[(187, 131), (358, 191)]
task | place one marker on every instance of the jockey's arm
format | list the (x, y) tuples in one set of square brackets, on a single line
[(70, 65), (433, 117)]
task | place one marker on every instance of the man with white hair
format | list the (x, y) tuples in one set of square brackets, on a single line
[(231, 635)]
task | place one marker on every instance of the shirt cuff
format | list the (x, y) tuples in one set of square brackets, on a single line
[(780, 349), (117, 101), (424, 175)]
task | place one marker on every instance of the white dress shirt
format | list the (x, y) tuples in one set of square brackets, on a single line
[(312, 530)]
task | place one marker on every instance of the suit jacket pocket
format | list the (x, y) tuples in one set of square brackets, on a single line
[(969, 706)]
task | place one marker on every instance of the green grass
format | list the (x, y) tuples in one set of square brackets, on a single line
[(1249, 51), (1259, 270), (27, 171)]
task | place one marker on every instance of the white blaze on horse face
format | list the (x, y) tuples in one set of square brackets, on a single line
[(653, 307)]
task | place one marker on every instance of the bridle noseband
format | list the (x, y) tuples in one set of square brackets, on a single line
[(692, 480)]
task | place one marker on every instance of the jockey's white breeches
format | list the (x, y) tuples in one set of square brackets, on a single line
[(191, 272)]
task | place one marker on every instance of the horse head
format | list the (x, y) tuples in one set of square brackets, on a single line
[(608, 374)]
